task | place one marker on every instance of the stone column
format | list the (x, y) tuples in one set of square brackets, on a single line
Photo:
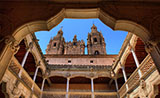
[(42, 86), (92, 87), (10, 48), (136, 61), (25, 57), (125, 76), (67, 88), (116, 83), (35, 74)]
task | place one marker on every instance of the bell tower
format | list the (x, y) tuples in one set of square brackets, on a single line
[(95, 42), (56, 45)]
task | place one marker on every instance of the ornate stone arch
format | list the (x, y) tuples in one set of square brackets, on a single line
[(42, 25)]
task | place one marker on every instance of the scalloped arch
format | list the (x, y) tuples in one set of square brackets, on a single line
[(124, 25)]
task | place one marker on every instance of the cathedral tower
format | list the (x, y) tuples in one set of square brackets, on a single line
[(75, 47), (95, 42), (56, 45)]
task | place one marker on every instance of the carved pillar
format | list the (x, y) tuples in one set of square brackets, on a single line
[(92, 87), (67, 88), (25, 57), (116, 83), (136, 61), (45, 76), (11, 48), (35, 74), (125, 76)]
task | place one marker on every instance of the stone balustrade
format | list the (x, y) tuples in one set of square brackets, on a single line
[(146, 66), (80, 67), (15, 67), (52, 94)]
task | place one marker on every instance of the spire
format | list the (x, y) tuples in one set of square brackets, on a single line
[(75, 38), (60, 31), (94, 27)]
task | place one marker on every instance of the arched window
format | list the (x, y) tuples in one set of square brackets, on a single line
[(74, 43), (54, 45), (96, 52), (95, 39)]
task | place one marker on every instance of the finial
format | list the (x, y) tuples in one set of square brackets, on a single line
[(61, 27)]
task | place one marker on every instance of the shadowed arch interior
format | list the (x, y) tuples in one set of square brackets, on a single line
[(21, 52), (39, 78), (3, 90), (30, 65), (104, 84), (120, 78), (58, 83)]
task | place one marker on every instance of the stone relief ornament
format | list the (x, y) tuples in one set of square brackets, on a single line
[(13, 44), (144, 89)]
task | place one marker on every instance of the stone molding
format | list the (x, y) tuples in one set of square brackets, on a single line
[(12, 43)]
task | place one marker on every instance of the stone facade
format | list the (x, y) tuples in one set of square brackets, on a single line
[(75, 47)]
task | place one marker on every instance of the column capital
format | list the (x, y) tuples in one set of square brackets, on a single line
[(30, 46), (131, 47), (68, 75), (112, 74), (38, 64), (46, 74), (122, 66)]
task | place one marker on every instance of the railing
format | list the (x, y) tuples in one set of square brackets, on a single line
[(15, 67), (51, 94), (145, 67), (80, 67), (122, 91)]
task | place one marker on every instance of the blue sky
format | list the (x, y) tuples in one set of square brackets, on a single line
[(81, 27)]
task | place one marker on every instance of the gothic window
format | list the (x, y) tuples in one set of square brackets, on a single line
[(54, 45), (95, 39), (96, 52)]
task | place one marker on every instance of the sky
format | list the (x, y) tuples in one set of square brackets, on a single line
[(81, 28)]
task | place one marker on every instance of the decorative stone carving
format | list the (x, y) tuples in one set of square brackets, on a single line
[(68, 75), (13, 44), (30, 46), (144, 89), (91, 75), (46, 74), (149, 46), (127, 96), (112, 74), (16, 91)]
